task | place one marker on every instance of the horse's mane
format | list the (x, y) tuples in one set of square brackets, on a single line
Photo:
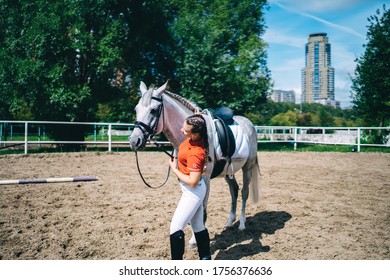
[(189, 105)]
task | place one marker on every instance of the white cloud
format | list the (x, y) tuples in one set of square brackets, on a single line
[(323, 21), (319, 5), (291, 65), (334, 25), (343, 60), (272, 36)]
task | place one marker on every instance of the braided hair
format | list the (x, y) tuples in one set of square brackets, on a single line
[(198, 125)]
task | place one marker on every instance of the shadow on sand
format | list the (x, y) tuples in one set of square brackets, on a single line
[(229, 242)]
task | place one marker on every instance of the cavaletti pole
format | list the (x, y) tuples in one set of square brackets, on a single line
[(48, 180)]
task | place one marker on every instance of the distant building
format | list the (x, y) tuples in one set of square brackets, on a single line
[(333, 103), (318, 73), (283, 96)]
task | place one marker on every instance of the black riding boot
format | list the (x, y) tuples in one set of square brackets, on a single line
[(177, 245), (203, 243)]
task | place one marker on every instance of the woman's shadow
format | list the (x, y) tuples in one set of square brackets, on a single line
[(228, 243)]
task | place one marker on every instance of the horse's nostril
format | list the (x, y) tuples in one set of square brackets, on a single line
[(138, 142)]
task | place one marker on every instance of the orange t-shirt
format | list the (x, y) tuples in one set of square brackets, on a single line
[(191, 157)]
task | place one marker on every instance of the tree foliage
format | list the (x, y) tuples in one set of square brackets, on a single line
[(221, 59), (82, 60), (291, 114), (64, 58), (371, 83)]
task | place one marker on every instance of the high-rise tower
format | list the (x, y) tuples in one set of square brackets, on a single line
[(318, 73)]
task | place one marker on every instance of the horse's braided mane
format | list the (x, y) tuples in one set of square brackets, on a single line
[(191, 106)]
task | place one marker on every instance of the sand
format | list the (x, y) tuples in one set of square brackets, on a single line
[(312, 206)]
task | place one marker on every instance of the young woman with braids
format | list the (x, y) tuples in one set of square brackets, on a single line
[(192, 156)]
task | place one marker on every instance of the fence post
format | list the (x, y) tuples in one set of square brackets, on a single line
[(94, 134), (109, 137), (25, 137), (39, 136), (359, 139), (295, 138)]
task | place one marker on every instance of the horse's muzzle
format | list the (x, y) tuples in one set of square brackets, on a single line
[(137, 140)]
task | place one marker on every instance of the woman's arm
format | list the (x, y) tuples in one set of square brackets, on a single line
[(191, 180)]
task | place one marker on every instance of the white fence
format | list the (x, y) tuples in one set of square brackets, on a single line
[(351, 136), (30, 133)]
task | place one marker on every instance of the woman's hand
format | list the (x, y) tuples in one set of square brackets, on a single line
[(172, 163)]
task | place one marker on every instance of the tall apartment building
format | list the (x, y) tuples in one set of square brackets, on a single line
[(318, 73)]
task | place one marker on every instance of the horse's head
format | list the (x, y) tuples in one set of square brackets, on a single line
[(148, 111)]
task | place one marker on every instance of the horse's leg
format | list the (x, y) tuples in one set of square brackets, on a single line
[(233, 187), (247, 175)]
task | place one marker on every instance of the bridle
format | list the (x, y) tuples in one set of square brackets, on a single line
[(150, 131)]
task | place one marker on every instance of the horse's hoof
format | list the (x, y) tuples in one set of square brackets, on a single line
[(241, 228), (229, 224), (192, 242), (192, 245)]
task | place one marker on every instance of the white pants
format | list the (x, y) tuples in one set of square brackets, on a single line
[(190, 208)]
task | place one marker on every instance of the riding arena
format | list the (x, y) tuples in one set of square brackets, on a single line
[(311, 206)]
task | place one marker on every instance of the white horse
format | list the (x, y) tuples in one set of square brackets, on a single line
[(160, 111)]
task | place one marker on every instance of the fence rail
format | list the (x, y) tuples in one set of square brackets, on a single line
[(351, 136), (30, 133)]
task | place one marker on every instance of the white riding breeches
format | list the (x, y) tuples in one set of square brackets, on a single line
[(189, 208)]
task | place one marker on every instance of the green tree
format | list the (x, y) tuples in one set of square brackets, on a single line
[(289, 118), (82, 60), (63, 58), (221, 59), (66, 60), (287, 113), (371, 82)]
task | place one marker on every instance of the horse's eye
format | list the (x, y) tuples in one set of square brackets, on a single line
[(153, 111)]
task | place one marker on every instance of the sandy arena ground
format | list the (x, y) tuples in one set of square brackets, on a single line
[(312, 206)]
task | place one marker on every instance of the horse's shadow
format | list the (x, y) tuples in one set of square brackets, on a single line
[(229, 242)]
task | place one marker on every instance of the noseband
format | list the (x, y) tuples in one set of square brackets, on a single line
[(148, 130)]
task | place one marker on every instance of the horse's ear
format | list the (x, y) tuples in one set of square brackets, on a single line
[(161, 89), (143, 88)]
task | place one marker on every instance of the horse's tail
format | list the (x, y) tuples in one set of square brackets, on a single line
[(254, 185)]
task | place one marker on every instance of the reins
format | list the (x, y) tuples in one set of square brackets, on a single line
[(140, 173), (152, 132)]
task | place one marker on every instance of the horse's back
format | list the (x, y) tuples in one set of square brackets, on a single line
[(246, 144), (249, 133), (246, 125)]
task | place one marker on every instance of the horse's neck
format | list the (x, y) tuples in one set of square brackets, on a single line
[(174, 116)]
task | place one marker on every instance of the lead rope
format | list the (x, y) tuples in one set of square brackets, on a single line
[(142, 177)]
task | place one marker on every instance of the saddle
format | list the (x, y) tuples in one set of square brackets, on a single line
[(222, 118)]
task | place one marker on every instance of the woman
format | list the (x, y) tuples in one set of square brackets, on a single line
[(191, 161)]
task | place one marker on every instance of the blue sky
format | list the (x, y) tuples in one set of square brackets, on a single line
[(289, 24)]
